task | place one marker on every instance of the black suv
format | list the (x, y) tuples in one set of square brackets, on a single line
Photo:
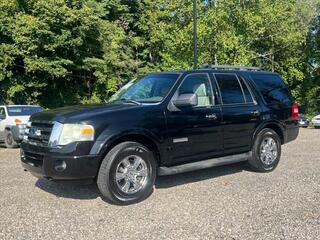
[(164, 123)]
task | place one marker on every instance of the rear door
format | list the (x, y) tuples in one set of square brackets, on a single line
[(241, 113), (195, 132)]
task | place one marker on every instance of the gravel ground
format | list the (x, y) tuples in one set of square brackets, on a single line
[(228, 202)]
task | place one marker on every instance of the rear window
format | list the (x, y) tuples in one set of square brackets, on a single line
[(272, 88), (231, 91), (23, 111)]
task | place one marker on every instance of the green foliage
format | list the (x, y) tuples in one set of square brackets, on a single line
[(61, 52), (58, 52)]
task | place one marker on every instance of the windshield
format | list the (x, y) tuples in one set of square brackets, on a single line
[(23, 111), (149, 89)]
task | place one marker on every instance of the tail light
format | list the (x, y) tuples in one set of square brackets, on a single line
[(294, 112)]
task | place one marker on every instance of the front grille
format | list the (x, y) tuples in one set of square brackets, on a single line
[(33, 159), (38, 133)]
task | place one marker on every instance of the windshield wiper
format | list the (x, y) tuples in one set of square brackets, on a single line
[(130, 101)]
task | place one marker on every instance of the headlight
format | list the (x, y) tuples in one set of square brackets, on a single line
[(63, 134)]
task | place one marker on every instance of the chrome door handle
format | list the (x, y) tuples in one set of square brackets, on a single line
[(255, 113), (212, 116)]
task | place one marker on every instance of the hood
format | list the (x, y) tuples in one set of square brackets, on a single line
[(79, 112), (23, 119)]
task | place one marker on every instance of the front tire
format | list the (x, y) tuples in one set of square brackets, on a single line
[(9, 141), (127, 173), (266, 151)]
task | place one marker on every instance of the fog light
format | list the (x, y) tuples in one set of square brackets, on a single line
[(22, 156), (60, 166)]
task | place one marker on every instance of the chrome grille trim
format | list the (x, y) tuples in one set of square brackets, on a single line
[(38, 133)]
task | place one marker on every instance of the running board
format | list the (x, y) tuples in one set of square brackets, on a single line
[(214, 162)]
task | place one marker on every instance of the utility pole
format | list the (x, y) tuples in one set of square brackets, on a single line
[(216, 41), (272, 54), (195, 36)]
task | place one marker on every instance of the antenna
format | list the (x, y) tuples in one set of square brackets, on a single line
[(195, 36)]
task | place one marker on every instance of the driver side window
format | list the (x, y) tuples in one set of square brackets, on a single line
[(198, 84), (2, 113)]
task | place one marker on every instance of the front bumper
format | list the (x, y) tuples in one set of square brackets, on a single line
[(68, 163), (316, 123)]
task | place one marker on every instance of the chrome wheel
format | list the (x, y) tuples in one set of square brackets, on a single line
[(268, 151), (131, 174)]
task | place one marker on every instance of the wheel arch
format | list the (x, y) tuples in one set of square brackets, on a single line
[(101, 148), (275, 126), (8, 128)]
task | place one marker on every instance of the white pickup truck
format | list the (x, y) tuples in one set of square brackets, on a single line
[(13, 120)]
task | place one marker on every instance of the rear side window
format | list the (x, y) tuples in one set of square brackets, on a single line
[(272, 88), (230, 88)]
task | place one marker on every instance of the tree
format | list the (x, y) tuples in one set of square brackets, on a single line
[(60, 52), (310, 89)]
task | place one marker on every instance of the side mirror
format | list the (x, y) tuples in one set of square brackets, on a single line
[(2, 116), (186, 100)]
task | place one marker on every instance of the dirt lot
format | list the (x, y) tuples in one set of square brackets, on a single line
[(229, 202)]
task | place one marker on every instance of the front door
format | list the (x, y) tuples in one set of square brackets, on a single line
[(241, 113), (194, 132), (2, 123)]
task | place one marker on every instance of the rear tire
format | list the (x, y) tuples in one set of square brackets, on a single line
[(9, 141), (266, 151), (127, 174)]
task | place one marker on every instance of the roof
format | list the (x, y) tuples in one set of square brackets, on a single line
[(220, 69)]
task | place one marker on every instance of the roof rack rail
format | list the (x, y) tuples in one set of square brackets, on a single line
[(230, 67)]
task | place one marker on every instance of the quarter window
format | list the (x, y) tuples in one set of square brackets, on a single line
[(200, 85), (272, 88), (230, 88)]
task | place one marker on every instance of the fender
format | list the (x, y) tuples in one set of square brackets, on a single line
[(265, 123), (17, 133), (8, 127), (3, 133), (108, 136)]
